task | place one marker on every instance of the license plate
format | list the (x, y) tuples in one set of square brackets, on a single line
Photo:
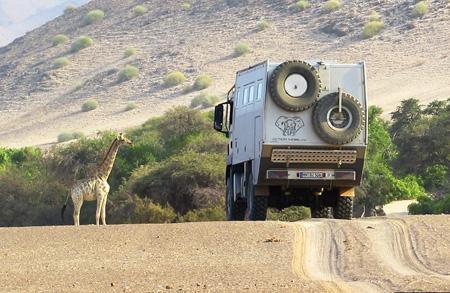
[(307, 175)]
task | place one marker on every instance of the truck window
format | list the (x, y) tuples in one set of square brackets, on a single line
[(252, 94), (259, 92), (246, 96), (239, 98)]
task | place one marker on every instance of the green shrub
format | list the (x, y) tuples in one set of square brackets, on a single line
[(186, 6), (420, 9), (372, 28), (139, 10), (204, 101), (60, 39), (332, 5), (216, 213), (89, 105), (129, 72), (69, 9), (93, 16), (66, 136), (428, 206), (202, 82), (81, 43), (129, 52), (374, 16), (174, 78), (290, 214), (262, 25), (61, 62), (241, 49), (148, 212), (130, 106), (302, 5)]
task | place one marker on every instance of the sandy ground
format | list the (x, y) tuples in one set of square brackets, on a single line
[(397, 208), (370, 255)]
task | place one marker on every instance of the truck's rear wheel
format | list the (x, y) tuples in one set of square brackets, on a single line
[(343, 208), (256, 205), (235, 210), (321, 212)]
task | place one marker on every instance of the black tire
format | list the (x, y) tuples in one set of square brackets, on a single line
[(353, 118), (278, 91), (344, 208), (235, 210), (256, 205), (322, 212)]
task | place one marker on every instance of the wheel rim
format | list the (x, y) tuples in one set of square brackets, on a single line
[(295, 85), (339, 121)]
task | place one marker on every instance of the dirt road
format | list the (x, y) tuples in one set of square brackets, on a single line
[(370, 255)]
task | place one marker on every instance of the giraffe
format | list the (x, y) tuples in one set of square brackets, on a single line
[(96, 187)]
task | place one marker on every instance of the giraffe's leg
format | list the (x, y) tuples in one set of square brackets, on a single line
[(99, 208), (103, 213), (77, 203)]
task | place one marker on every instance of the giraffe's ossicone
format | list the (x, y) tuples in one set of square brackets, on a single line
[(95, 187)]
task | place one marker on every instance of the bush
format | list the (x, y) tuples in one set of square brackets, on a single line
[(420, 9), (186, 6), (204, 101), (139, 10), (372, 28), (202, 82), (185, 181), (129, 72), (263, 25), (129, 52), (174, 78), (290, 214), (93, 16), (216, 213), (61, 62), (69, 9), (60, 39), (302, 5), (89, 105), (374, 16), (241, 49), (148, 212), (130, 106), (66, 136), (332, 5), (427, 206), (81, 43)]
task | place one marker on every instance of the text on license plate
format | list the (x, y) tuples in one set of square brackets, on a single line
[(311, 175)]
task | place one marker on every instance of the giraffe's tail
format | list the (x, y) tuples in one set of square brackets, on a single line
[(64, 208)]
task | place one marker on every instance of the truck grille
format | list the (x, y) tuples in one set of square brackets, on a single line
[(314, 156)]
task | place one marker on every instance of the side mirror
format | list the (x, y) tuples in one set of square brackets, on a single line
[(221, 118), (218, 117)]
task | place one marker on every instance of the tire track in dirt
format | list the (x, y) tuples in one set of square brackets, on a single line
[(393, 244), (318, 257)]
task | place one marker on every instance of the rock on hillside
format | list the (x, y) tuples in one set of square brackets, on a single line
[(38, 101)]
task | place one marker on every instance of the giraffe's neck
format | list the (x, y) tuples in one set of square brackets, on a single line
[(107, 164)]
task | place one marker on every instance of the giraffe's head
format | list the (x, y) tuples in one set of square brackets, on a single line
[(123, 140)]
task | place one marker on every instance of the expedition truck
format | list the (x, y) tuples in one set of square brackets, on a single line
[(297, 136)]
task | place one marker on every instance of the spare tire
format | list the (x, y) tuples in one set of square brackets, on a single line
[(336, 127), (295, 85)]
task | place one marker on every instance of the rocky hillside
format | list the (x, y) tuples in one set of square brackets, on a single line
[(408, 58)]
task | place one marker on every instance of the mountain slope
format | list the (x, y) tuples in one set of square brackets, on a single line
[(37, 101)]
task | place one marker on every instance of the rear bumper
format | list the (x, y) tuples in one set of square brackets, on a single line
[(296, 174), (311, 166)]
